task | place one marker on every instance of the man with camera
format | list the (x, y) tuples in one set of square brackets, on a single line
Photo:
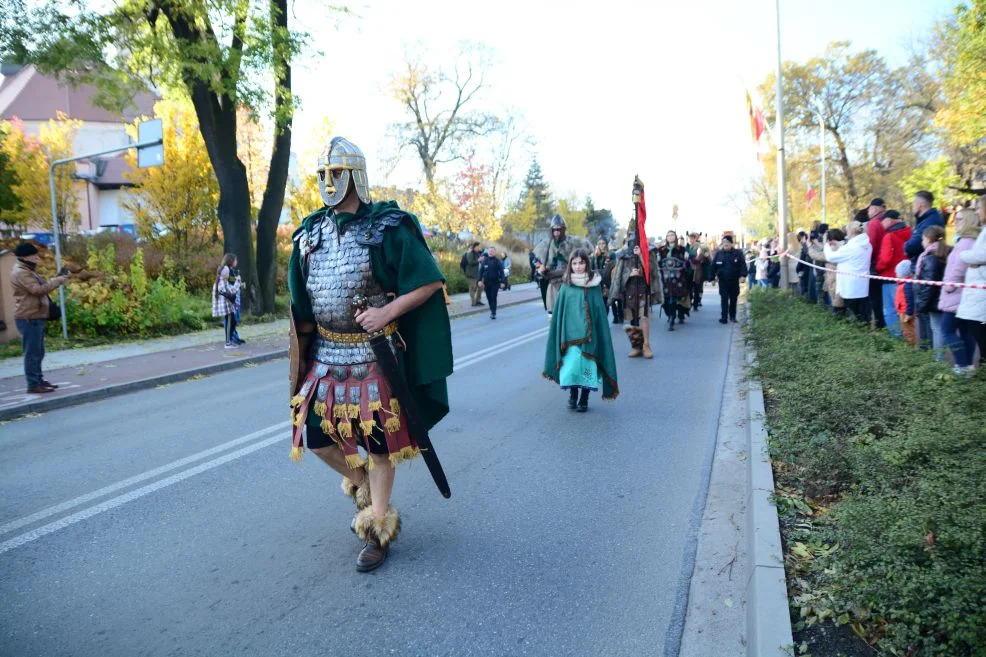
[(32, 310)]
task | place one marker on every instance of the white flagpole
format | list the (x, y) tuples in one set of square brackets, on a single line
[(781, 190)]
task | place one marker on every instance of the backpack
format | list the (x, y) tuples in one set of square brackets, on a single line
[(463, 263)]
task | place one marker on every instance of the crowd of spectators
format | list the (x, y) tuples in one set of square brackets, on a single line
[(924, 306)]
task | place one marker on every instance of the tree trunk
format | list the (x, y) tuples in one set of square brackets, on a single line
[(851, 194), (217, 123), (277, 175)]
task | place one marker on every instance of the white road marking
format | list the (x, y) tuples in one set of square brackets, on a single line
[(498, 349), (135, 494), (114, 502), (150, 474)]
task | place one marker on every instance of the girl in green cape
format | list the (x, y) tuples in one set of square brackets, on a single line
[(579, 353)]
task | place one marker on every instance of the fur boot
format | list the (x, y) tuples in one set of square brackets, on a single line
[(645, 336), (636, 337), (381, 531), (360, 494)]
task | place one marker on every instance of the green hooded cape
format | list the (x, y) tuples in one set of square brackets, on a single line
[(580, 318), (402, 262)]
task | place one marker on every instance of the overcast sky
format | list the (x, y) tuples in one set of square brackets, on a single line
[(607, 89)]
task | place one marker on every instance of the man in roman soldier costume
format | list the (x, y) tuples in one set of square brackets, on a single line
[(553, 254), (676, 273), (370, 342)]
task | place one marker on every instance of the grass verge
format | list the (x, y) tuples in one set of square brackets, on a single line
[(880, 459)]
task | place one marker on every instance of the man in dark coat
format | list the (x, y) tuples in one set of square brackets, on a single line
[(493, 278), (729, 267)]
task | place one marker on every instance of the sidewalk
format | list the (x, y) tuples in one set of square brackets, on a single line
[(99, 372)]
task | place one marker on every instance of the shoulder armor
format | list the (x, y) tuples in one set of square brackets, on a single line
[(370, 231)]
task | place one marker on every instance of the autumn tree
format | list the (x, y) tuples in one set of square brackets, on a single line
[(30, 158), (441, 106), (875, 122), (962, 115), (223, 55), (181, 195), (472, 193), (9, 201)]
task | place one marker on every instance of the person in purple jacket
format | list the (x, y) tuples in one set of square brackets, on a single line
[(958, 337)]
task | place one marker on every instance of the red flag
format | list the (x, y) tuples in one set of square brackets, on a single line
[(810, 196), (641, 230)]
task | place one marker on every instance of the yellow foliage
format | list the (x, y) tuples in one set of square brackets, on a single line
[(182, 194), (30, 159)]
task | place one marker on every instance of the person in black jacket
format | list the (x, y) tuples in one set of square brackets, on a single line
[(729, 267), (931, 267), (493, 278)]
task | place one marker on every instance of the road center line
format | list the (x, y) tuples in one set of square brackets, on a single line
[(150, 474), (120, 500)]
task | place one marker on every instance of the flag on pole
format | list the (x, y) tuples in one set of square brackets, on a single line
[(810, 196), (638, 199), (758, 123)]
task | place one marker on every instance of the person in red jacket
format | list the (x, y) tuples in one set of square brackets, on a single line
[(875, 231), (891, 252)]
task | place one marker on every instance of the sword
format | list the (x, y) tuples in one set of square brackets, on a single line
[(398, 386)]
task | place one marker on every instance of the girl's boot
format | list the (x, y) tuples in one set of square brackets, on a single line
[(583, 401), (573, 397)]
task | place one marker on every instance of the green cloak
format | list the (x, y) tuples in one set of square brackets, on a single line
[(580, 318), (401, 262)]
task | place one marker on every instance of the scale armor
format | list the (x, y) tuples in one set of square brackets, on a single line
[(338, 269)]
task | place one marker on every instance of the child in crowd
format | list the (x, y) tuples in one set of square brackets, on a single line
[(905, 312)]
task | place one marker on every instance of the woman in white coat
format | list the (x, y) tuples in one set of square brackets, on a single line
[(852, 263), (972, 306)]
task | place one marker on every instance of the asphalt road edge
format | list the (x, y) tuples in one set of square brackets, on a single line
[(45, 404), (768, 612), (676, 626)]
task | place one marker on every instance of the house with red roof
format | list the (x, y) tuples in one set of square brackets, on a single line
[(35, 98)]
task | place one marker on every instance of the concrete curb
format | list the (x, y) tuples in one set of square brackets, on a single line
[(44, 405), (768, 613), (51, 404)]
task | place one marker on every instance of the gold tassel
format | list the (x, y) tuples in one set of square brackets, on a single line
[(345, 429), (298, 419), (376, 406), (297, 453), (392, 425), (320, 408), (355, 461), (296, 401), (339, 411), (404, 454), (354, 411), (395, 406), (327, 427), (367, 427)]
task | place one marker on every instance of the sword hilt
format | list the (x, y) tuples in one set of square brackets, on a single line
[(361, 303)]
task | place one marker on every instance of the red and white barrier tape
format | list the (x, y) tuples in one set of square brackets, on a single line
[(888, 279)]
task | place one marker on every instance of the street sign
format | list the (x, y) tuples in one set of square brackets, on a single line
[(151, 133)]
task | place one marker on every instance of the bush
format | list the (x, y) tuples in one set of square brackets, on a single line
[(887, 446), (110, 300)]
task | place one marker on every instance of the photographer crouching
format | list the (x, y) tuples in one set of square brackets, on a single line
[(32, 310)]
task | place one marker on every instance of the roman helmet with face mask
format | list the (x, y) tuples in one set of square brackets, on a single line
[(342, 155), (559, 222)]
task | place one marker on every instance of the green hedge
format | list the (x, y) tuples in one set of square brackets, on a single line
[(880, 458)]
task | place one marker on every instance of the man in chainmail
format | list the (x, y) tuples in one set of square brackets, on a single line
[(343, 409)]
